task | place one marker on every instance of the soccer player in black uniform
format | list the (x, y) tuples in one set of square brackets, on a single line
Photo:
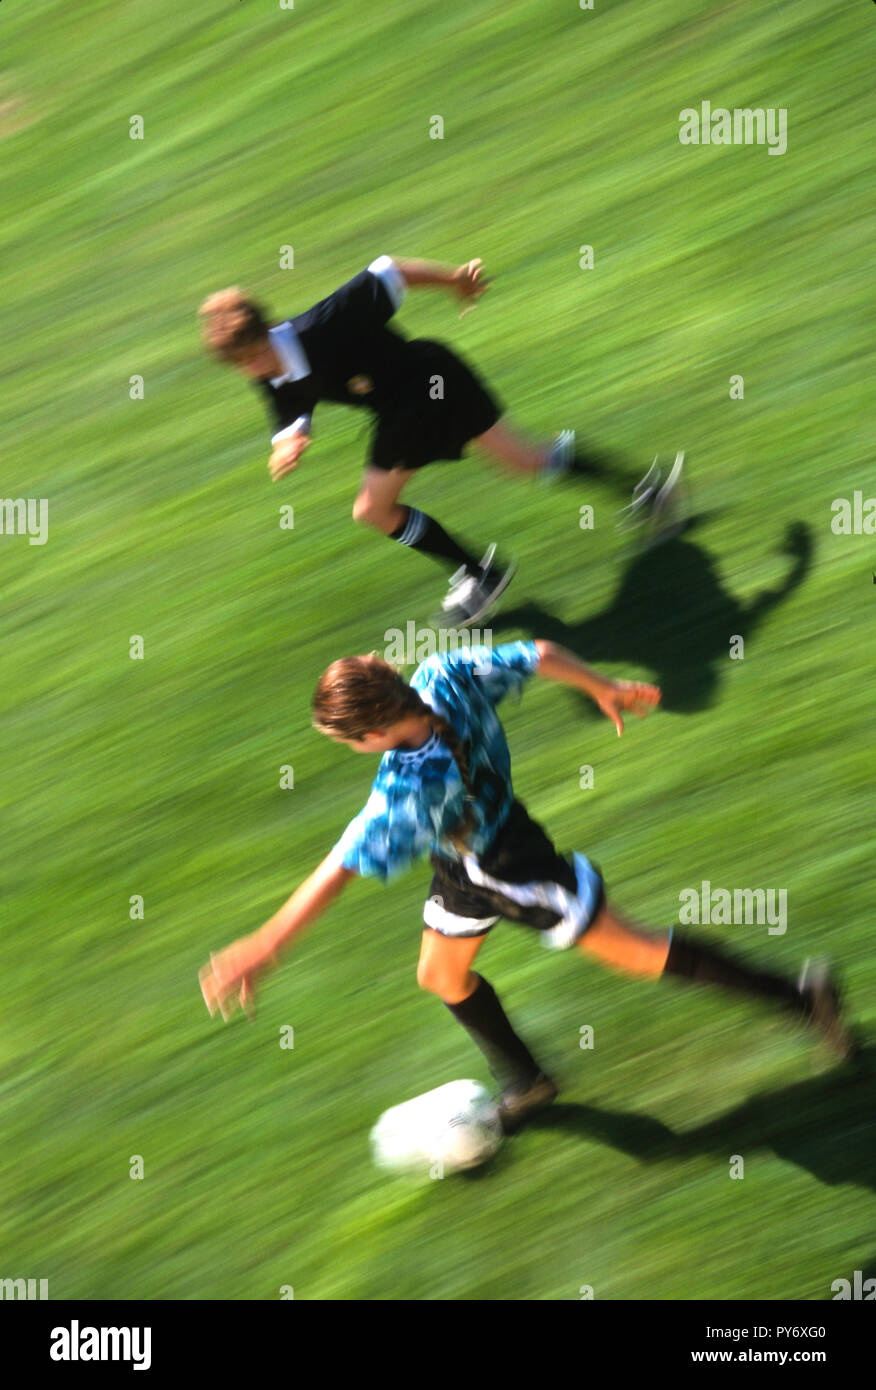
[(429, 405)]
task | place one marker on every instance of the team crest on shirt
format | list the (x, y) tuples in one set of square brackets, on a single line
[(360, 385)]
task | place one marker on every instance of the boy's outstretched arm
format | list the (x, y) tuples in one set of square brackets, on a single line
[(233, 972), (467, 281), (613, 697)]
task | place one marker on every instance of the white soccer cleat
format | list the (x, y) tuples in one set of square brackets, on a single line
[(639, 510), (669, 510), (472, 596), (661, 503)]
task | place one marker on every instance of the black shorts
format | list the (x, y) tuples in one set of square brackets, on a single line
[(442, 405), (522, 878)]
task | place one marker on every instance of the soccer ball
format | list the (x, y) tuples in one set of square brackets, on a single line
[(454, 1127)]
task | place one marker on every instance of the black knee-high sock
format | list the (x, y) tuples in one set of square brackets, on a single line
[(485, 1020), (421, 532), (704, 964)]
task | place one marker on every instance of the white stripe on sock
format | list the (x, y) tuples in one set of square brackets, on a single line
[(415, 527)]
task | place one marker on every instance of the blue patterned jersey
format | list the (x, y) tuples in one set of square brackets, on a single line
[(418, 798)]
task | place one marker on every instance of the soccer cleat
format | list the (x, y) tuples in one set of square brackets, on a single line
[(644, 493), (822, 1009), (659, 502), (648, 485), (561, 456), (472, 596), (669, 507), (524, 1098)]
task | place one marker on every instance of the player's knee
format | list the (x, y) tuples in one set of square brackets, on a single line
[(366, 511)]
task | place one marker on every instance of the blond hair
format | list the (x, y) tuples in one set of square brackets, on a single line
[(231, 323)]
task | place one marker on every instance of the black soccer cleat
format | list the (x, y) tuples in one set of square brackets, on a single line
[(822, 1008), (472, 596), (522, 1099)]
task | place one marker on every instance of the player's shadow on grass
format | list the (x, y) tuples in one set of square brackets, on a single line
[(822, 1125), (672, 615)]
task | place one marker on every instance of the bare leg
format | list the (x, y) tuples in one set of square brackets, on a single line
[(500, 442), (692, 961), (445, 965), (376, 503), (503, 445), (445, 970), (617, 943)]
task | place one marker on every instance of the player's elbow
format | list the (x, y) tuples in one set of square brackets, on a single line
[(545, 649)]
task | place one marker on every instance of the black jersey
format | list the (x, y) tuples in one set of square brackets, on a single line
[(341, 349), (428, 402)]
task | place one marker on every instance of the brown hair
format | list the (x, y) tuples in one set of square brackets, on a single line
[(231, 323), (360, 694)]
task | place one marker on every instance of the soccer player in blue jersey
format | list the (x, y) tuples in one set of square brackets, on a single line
[(444, 788), (428, 403)]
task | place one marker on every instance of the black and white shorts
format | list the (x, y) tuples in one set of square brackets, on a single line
[(522, 878), (443, 406)]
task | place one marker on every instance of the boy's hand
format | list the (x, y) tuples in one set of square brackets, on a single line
[(627, 695), (286, 455), (469, 282), (230, 977)]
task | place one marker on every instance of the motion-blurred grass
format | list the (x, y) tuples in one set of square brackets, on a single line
[(266, 127)]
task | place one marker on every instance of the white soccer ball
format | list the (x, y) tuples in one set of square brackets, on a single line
[(454, 1127)]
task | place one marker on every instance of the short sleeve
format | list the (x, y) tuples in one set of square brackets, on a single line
[(389, 275), (363, 304), (498, 670), (390, 834)]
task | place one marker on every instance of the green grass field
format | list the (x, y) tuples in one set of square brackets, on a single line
[(161, 777)]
